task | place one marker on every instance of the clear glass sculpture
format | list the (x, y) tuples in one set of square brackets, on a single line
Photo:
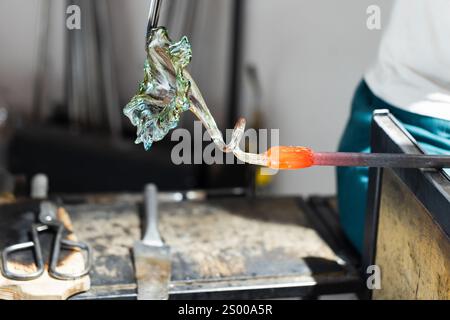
[(168, 90)]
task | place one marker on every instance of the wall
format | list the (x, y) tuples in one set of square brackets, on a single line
[(310, 56), (20, 25), (18, 36)]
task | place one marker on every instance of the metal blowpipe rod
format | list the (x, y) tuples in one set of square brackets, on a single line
[(390, 160), (153, 15)]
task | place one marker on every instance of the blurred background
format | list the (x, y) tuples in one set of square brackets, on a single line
[(284, 64)]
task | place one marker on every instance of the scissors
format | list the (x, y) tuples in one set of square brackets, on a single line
[(48, 221)]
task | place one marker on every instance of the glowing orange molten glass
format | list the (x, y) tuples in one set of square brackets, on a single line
[(286, 158)]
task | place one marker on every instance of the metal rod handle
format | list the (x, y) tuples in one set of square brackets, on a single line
[(153, 15), (151, 233), (390, 160)]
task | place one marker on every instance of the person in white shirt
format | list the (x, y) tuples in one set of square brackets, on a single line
[(411, 78)]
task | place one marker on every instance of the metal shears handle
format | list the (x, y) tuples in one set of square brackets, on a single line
[(59, 243), (48, 218), (37, 251)]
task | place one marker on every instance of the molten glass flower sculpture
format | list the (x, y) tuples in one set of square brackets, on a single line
[(168, 90), (163, 94)]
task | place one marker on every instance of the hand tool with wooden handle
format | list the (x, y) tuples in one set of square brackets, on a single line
[(151, 256)]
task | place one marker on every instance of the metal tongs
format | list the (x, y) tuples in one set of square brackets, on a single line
[(48, 222)]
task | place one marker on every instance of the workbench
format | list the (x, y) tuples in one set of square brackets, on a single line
[(408, 221), (225, 248)]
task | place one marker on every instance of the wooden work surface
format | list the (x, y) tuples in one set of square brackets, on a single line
[(412, 251), (215, 243)]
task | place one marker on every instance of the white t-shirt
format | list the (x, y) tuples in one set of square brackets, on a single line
[(412, 71)]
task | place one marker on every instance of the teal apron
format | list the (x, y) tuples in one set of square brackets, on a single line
[(432, 134)]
